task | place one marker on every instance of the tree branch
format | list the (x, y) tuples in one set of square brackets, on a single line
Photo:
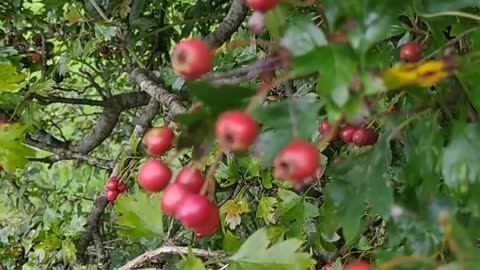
[(150, 255), (46, 100), (232, 21)]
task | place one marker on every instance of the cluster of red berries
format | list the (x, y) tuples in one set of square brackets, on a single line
[(354, 266), (359, 136), (182, 199), (236, 131), (113, 188)]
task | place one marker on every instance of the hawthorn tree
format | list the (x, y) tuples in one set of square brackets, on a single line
[(243, 134)]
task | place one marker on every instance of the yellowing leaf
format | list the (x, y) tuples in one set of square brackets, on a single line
[(257, 254), (10, 80), (423, 74), (13, 153), (266, 210), (232, 210), (73, 16)]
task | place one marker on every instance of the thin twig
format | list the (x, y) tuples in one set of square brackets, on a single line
[(99, 10)]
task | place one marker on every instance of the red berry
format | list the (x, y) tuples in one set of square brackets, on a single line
[(411, 52), (36, 57), (297, 161), (339, 37), (338, 160), (172, 196), (192, 58), (324, 128), (154, 176), (112, 195), (346, 133), (122, 187), (191, 178), (262, 5), (194, 211), (3, 123), (365, 136), (112, 184), (359, 266), (212, 224), (329, 266), (236, 131), (158, 140)]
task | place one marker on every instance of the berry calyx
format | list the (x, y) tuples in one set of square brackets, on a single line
[(112, 184), (122, 187), (191, 178), (212, 224), (154, 176), (194, 211), (192, 58), (346, 133), (359, 266), (365, 136), (111, 195), (298, 161), (262, 5), (36, 57), (411, 52), (236, 131), (158, 140), (324, 128), (172, 196)]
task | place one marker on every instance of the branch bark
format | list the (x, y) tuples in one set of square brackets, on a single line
[(46, 100), (232, 21), (150, 255)]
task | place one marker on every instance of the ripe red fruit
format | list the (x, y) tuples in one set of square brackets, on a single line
[(212, 224), (359, 266), (329, 266), (192, 58), (262, 5), (236, 131), (191, 178), (172, 196), (194, 211), (346, 133), (298, 161), (36, 57), (411, 52), (122, 187), (324, 127), (158, 140), (112, 195), (365, 136), (112, 184), (154, 176)]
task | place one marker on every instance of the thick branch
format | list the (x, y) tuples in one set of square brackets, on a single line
[(45, 100), (233, 20), (150, 255), (147, 83)]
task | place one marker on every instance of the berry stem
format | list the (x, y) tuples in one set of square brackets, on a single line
[(404, 260), (330, 135), (208, 187), (242, 43), (263, 89)]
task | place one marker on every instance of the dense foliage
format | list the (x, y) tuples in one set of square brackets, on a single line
[(320, 134)]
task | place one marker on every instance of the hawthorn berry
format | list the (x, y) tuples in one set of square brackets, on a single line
[(365, 136), (262, 5), (192, 58), (324, 128), (338, 160), (329, 266), (359, 266), (158, 140), (154, 176), (339, 37), (36, 57), (236, 131), (194, 211), (411, 52), (212, 224), (112, 184), (191, 178), (111, 195), (172, 196), (298, 161), (122, 187), (346, 133)]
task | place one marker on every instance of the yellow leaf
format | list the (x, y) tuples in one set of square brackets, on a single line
[(423, 74)]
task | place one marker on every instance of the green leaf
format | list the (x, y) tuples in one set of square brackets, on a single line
[(302, 36), (13, 153), (231, 243), (104, 31), (69, 251), (266, 209), (276, 22), (220, 98), (196, 128), (295, 210), (255, 254), (191, 263), (11, 81), (140, 215), (433, 6), (460, 166)]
